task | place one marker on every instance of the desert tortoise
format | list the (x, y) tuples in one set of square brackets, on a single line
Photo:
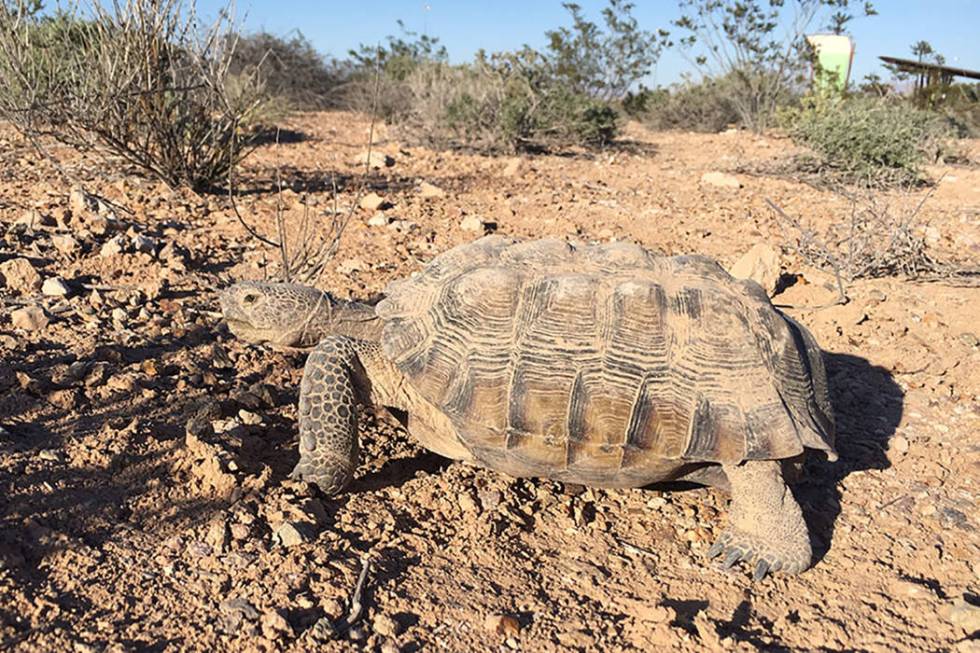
[(595, 364)]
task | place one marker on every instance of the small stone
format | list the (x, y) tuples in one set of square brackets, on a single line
[(351, 266), (248, 417), (514, 167), (34, 219), (430, 191), (143, 243), (373, 202), (502, 624), (29, 318), (721, 180), (239, 531), (114, 246), (899, 444), (654, 613), (969, 339), (375, 160), (81, 203), (466, 503), (217, 535), (760, 264), (275, 626), (64, 243), (54, 287), (291, 534), (18, 274), (385, 626), (963, 614), (476, 223), (379, 219), (119, 316)]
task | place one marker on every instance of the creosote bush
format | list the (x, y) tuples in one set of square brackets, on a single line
[(865, 139), (703, 106), (141, 81)]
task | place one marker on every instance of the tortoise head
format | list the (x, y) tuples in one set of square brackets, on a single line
[(284, 314)]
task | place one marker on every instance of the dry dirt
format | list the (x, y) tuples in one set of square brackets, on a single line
[(144, 504)]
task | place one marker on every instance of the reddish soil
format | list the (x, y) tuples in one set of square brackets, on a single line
[(123, 528)]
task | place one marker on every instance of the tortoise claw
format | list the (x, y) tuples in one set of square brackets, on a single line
[(761, 568)]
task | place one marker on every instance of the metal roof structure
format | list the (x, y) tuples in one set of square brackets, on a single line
[(946, 73)]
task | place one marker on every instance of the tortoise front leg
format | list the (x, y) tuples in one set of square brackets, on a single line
[(766, 523), (328, 445)]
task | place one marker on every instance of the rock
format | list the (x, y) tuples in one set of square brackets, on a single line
[(29, 318), (373, 202), (64, 243), (502, 624), (115, 245), (466, 503), (760, 264), (476, 223), (248, 417), (18, 274), (430, 191), (34, 219), (352, 265), (217, 535), (899, 444), (375, 160), (721, 180), (291, 534), (143, 243), (963, 614), (275, 626), (385, 626), (379, 219), (514, 167), (119, 316), (54, 287), (82, 204)]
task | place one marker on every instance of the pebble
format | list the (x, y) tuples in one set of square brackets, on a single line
[(375, 159), (64, 243), (275, 626), (18, 274), (248, 417), (385, 626), (289, 534), (502, 624), (472, 223), (54, 287), (373, 202), (119, 316), (379, 219), (514, 167), (29, 318), (899, 444), (430, 191), (721, 180), (217, 535), (115, 245)]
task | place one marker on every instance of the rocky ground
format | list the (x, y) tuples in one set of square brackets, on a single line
[(144, 503)]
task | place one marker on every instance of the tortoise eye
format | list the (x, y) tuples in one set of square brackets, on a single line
[(249, 299)]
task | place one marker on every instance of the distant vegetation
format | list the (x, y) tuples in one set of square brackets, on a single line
[(145, 83)]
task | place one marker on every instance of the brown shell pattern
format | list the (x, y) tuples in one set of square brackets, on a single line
[(605, 363)]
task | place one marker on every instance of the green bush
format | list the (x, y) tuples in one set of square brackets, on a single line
[(291, 69), (139, 81), (704, 106), (868, 139), (506, 102)]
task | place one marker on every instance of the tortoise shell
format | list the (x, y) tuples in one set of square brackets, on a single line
[(605, 364)]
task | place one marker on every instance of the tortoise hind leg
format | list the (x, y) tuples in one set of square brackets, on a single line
[(328, 444), (766, 523)]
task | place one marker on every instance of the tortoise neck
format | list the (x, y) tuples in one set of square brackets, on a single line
[(353, 319)]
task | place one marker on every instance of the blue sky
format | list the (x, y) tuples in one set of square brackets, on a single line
[(466, 26)]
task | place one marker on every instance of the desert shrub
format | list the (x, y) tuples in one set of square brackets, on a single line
[(759, 45), (506, 102), (139, 81), (868, 139), (703, 106), (290, 69)]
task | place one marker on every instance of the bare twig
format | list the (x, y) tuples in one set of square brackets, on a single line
[(356, 604)]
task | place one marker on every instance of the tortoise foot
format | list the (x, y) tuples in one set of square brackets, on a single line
[(734, 546)]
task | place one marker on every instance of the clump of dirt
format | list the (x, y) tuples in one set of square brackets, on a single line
[(145, 452)]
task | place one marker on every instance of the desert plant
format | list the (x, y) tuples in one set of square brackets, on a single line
[(703, 106), (867, 139), (874, 240), (503, 102), (603, 62), (140, 81), (290, 69), (759, 45)]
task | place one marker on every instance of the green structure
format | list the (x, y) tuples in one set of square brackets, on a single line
[(834, 54)]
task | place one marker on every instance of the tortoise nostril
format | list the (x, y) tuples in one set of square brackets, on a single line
[(249, 299)]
